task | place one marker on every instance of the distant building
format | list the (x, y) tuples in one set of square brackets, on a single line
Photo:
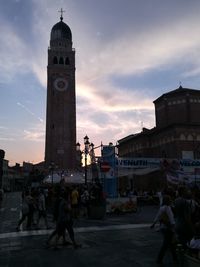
[(5, 176), (2, 154), (15, 178), (177, 130)]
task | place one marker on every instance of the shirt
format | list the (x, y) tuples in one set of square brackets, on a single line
[(165, 209), (74, 197), (41, 202)]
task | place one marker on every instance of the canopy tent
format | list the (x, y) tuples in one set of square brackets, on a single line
[(76, 178), (53, 178)]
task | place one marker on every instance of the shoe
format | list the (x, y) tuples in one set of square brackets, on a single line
[(17, 229), (66, 243)]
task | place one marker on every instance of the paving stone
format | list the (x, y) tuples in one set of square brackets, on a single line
[(107, 244)]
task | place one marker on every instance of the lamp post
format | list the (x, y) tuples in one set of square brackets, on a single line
[(88, 149)]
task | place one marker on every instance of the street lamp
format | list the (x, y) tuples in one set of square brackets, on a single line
[(88, 149)]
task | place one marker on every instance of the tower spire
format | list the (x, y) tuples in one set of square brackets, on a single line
[(61, 11)]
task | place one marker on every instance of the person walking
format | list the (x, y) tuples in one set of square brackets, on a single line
[(85, 197), (183, 211), (74, 202), (25, 209), (64, 221), (31, 204), (42, 209), (167, 226)]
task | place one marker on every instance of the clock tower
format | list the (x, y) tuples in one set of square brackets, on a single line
[(60, 146)]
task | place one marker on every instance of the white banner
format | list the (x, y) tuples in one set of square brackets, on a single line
[(156, 162)]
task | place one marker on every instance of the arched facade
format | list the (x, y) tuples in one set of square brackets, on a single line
[(177, 130)]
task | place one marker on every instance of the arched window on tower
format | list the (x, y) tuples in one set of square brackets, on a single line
[(67, 62), (55, 60), (182, 137), (61, 61), (190, 137)]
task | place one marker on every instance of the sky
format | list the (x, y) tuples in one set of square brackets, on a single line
[(128, 53)]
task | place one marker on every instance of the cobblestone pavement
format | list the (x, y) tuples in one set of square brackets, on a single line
[(116, 241)]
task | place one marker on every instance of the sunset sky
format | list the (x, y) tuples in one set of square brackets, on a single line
[(128, 53)]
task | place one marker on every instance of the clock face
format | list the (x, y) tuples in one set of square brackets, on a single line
[(60, 84)]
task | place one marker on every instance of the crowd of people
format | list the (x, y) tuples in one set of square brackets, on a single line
[(63, 202), (178, 215), (179, 220), (33, 208)]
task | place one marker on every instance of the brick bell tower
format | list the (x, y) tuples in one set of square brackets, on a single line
[(60, 146)]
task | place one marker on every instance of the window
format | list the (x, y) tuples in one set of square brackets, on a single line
[(55, 60), (190, 137), (67, 61), (182, 137), (61, 61)]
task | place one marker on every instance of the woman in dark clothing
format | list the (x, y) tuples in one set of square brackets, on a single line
[(184, 227), (64, 221)]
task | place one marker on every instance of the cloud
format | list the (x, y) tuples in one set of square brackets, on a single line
[(12, 53), (34, 134), (6, 139), (132, 52), (9, 134), (29, 111), (141, 52)]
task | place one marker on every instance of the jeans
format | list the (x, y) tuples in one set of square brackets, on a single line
[(168, 235)]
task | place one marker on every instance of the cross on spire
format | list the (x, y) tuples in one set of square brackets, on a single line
[(61, 11), (180, 85)]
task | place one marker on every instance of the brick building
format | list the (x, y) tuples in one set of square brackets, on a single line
[(60, 146), (177, 130)]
